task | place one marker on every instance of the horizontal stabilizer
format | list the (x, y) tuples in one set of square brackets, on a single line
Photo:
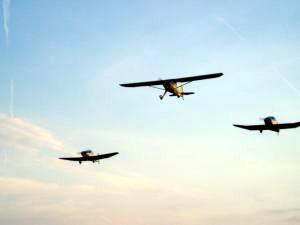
[(188, 93)]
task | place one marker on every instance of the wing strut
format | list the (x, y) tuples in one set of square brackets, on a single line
[(156, 88), (184, 84)]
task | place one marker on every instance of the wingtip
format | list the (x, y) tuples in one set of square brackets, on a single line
[(124, 85), (217, 74)]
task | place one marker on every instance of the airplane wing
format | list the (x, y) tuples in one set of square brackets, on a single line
[(183, 79), (143, 84), (103, 156), (75, 158), (251, 127), (91, 158), (288, 125), (199, 77)]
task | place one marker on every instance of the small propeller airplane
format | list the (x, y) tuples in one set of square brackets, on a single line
[(270, 124), (171, 85), (88, 155)]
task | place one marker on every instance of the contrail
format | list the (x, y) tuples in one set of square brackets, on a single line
[(291, 86), (230, 26), (6, 16), (12, 95)]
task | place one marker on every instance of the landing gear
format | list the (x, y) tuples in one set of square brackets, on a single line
[(162, 96), (80, 162), (260, 131)]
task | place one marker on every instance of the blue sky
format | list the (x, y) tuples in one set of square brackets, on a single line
[(180, 162)]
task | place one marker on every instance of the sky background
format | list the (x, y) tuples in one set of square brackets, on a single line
[(180, 162)]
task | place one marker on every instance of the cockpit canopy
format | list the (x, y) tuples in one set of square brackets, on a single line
[(87, 152), (271, 120)]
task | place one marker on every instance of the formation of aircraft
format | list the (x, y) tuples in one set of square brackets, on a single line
[(175, 87), (88, 155), (270, 124), (172, 86)]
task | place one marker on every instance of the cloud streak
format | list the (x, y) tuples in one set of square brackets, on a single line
[(6, 17)]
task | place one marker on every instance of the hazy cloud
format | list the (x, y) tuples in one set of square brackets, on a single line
[(12, 96), (21, 135), (122, 200), (283, 211), (150, 203)]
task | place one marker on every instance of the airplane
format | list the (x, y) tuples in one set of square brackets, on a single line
[(270, 124), (171, 85), (88, 155)]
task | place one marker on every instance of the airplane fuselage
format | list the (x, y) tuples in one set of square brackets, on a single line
[(271, 123), (87, 154), (171, 86)]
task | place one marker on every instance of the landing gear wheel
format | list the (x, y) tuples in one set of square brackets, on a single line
[(162, 96)]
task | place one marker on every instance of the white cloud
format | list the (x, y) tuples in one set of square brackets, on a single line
[(21, 135)]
